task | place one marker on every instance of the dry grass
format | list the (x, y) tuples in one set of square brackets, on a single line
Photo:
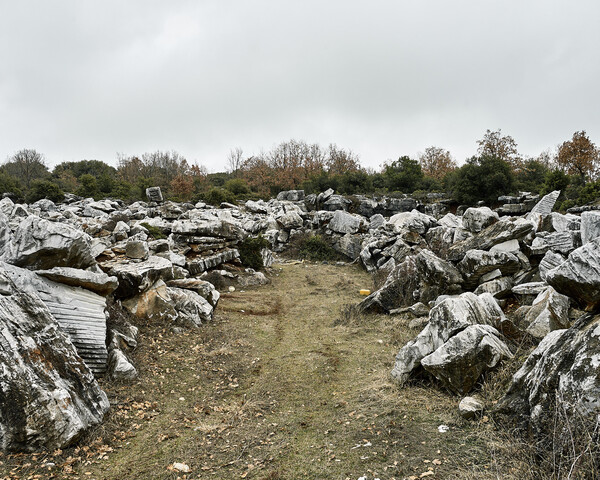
[(272, 389)]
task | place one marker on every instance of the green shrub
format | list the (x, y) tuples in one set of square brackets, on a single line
[(44, 189), (88, 186), (9, 184), (481, 178), (403, 175), (531, 177), (250, 251), (555, 180), (153, 231), (237, 186), (216, 196), (315, 248)]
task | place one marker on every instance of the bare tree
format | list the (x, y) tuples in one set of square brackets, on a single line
[(26, 165), (340, 160), (436, 162), (235, 160)]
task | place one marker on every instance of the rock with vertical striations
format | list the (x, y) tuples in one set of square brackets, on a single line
[(551, 260), (590, 226), (544, 206), (48, 396), (79, 313)]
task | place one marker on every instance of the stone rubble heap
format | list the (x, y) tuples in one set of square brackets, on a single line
[(64, 268)]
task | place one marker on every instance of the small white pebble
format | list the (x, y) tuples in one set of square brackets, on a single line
[(181, 467)]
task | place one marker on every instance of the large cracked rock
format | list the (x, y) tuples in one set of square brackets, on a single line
[(476, 263), (563, 370), (344, 222), (204, 226), (136, 277), (476, 219), (419, 278), (192, 309), (549, 311), (579, 276), (48, 397), (38, 244), (499, 232), (413, 221), (460, 362), (446, 319)]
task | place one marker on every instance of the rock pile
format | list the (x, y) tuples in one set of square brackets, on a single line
[(64, 267)]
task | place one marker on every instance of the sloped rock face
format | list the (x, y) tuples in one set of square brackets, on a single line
[(39, 244), (579, 276), (590, 226), (203, 288), (550, 261), (78, 312), (419, 278), (95, 282), (549, 311), (154, 303), (446, 319), (459, 363), (477, 263), (545, 205), (4, 233), (343, 222), (192, 309), (48, 396), (499, 232), (563, 369)]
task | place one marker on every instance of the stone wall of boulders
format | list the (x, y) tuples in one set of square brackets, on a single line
[(61, 265)]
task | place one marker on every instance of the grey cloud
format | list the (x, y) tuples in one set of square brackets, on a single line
[(384, 78)]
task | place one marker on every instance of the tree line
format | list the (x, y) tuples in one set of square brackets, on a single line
[(497, 168)]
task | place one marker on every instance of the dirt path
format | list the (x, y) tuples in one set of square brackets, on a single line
[(276, 388)]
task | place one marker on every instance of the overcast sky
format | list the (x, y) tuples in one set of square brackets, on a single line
[(85, 80)]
